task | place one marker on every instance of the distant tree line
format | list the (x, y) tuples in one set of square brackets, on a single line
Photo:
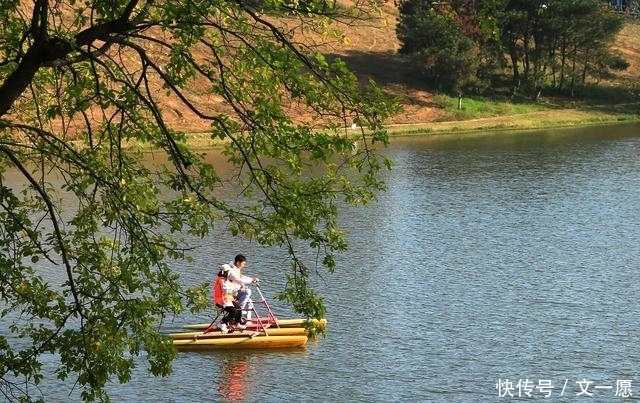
[(463, 45)]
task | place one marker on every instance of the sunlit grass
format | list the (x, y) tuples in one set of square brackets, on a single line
[(476, 108)]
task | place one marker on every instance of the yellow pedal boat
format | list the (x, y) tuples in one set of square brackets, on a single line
[(271, 331), (258, 340), (279, 323)]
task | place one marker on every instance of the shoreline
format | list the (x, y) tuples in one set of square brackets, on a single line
[(549, 119), (529, 121)]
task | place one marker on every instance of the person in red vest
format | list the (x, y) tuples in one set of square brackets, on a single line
[(225, 294)]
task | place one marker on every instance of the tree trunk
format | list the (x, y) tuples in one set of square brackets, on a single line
[(573, 69), (538, 93), (516, 73)]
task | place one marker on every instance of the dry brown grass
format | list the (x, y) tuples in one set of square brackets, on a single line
[(371, 52), (628, 44)]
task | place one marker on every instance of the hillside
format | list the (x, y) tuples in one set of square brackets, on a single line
[(371, 52)]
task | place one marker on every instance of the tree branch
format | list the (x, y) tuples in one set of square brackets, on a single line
[(47, 51), (54, 221)]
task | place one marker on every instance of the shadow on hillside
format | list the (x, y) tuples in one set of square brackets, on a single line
[(392, 72), (396, 75)]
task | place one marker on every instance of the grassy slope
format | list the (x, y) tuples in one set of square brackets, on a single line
[(371, 52)]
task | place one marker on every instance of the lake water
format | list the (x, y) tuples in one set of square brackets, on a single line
[(495, 266)]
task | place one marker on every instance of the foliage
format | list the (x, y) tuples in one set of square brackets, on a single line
[(87, 242), (437, 39), (549, 43)]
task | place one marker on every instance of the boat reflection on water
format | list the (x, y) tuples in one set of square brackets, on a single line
[(239, 374), (234, 382)]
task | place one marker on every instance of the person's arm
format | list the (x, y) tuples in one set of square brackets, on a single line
[(241, 278)]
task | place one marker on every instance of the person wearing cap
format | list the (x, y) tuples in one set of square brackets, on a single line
[(244, 294), (226, 297)]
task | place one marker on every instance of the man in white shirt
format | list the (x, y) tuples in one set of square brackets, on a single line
[(235, 275)]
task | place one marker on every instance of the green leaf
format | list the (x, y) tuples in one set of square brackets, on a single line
[(111, 193)]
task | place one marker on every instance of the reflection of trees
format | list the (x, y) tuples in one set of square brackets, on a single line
[(233, 381)]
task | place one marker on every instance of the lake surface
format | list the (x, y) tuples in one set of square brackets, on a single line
[(494, 266)]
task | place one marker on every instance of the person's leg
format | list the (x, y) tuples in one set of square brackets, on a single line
[(242, 296), (244, 299), (236, 315), (229, 311)]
